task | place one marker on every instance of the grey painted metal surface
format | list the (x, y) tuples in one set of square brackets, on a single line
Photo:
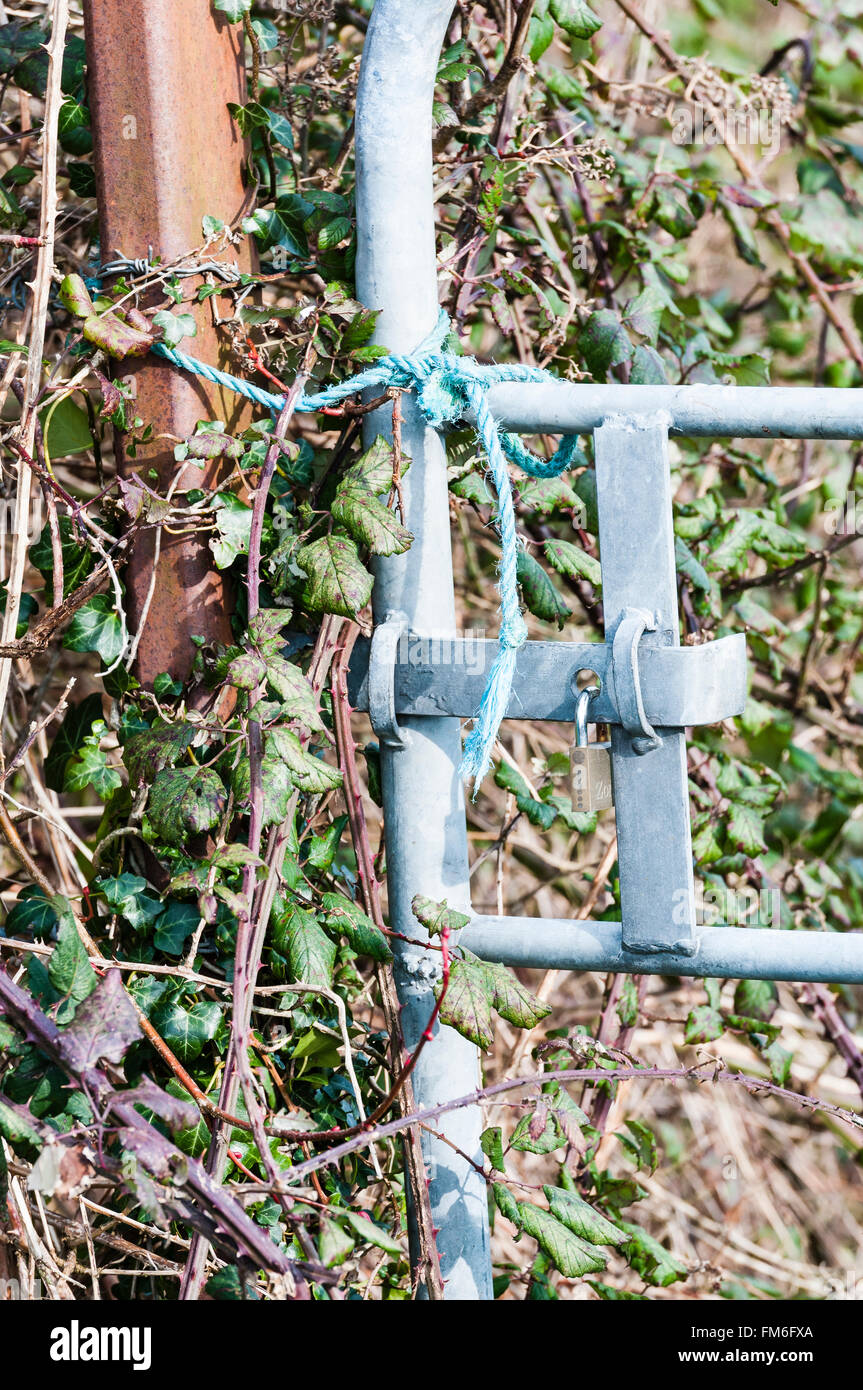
[(746, 412), (733, 953), (651, 791), (680, 686), (423, 798)]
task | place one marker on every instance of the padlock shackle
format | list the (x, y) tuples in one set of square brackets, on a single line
[(582, 705)]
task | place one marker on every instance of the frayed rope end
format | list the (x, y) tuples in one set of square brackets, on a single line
[(479, 744)]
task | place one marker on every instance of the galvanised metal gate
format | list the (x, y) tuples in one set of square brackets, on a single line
[(652, 689)]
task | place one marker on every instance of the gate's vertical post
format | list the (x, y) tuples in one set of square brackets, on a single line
[(651, 793), (159, 77), (423, 797)]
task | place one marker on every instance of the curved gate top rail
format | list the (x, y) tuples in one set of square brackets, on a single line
[(652, 689)]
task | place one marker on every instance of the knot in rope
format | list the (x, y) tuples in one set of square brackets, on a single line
[(448, 389)]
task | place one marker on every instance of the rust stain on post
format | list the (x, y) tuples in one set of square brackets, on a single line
[(167, 152)]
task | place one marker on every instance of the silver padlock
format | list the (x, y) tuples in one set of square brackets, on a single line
[(590, 763)]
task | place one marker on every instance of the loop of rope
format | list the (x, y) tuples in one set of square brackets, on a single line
[(447, 387)]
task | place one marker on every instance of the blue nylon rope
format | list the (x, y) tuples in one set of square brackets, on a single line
[(447, 386)]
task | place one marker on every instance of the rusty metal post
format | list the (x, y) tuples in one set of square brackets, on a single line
[(167, 152)]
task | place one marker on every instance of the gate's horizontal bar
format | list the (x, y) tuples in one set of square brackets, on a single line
[(680, 686), (734, 953), (748, 412)]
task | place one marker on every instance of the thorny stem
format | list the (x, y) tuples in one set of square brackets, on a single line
[(771, 577), (156, 1154), (754, 1084), (237, 1074)]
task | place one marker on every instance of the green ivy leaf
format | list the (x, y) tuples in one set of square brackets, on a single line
[(187, 1031), (89, 767), (127, 894), (27, 606), (174, 927), (175, 327), (69, 967), (65, 428), (31, 914), (233, 526), (280, 126), (249, 117), (282, 225), (234, 9), (96, 627), (69, 738), (77, 558)]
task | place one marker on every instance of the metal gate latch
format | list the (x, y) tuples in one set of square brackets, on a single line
[(627, 686), (650, 688)]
